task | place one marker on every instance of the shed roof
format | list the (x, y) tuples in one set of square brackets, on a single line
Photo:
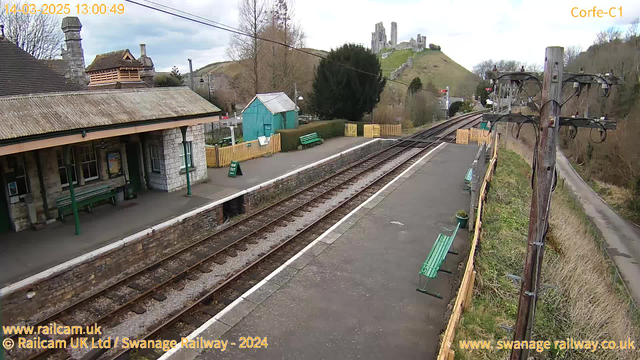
[(114, 60), (30, 115), (21, 73), (277, 102)]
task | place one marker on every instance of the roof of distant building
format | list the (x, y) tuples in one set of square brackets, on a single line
[(277, 102), (114, 60), (21, 73), (32, 115)]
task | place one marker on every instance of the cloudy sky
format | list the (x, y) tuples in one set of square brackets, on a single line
[(469, 31)]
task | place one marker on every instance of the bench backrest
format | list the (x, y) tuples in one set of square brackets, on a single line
[(309, 136), (82, 194)]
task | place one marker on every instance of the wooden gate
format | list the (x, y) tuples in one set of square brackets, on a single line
[(372, 130), (462, 136), (351, 130)]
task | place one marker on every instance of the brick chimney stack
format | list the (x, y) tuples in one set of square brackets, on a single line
[(73, 54), (148, 73)]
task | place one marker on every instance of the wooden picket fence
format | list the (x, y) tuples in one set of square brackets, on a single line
[(390, 130), (465, 293), (464, 136), (223, 156)]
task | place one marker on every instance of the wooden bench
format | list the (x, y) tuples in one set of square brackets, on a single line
[(434, 261), (85, 199), (309, 139), (468, 178)]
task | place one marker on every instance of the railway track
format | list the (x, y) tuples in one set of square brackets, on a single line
[(149, 287)]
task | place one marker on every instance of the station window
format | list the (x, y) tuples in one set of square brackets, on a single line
[(64, 180), (21, 179), (89, 162), (189, 155), (154, 152)]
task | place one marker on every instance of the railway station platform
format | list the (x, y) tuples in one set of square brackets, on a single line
[(352, 292), (30, 252)]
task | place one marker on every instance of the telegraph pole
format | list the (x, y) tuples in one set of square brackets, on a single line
[(545, 165)]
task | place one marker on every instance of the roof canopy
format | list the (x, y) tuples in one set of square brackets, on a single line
[(114, 60), (30, 115), (277, 102)]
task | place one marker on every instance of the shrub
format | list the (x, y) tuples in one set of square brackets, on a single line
[(290, 138)]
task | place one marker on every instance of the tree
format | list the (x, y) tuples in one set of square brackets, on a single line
[(416, 85), (481, 91), (247, 50), (634, 29), (611, 34), (571, 53), (173, 79), (38, 34), (431, 88), (422, 107), (341, 92)]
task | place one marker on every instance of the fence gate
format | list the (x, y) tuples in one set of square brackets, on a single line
[(351, 130), (372, 131), (462, 136)]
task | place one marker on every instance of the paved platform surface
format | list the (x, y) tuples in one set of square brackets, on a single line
[(29, 252), (352, 295)]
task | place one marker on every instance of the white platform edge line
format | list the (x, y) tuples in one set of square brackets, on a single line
[(7, 290), (275, 272)]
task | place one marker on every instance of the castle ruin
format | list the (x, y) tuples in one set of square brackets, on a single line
[(379, 40)]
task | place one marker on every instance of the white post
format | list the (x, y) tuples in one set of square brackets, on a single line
[(233, 135)]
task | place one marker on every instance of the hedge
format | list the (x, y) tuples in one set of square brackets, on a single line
[(290, 138)]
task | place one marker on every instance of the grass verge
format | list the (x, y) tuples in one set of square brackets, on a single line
[(586, 302)]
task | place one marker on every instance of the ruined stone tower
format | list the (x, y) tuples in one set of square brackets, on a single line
[(378, 39), (73, 54), (394, 34)]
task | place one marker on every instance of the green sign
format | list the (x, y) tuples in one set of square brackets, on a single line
[(234, 169)]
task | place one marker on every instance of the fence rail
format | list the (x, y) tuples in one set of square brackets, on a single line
[(464, 136), (465, 293), (390, 130), (223, 156)]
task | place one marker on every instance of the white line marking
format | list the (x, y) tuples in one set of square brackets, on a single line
[(275, 272)]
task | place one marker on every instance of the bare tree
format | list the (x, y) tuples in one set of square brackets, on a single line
[(571, 53), (611, 34), (482, 67), (634, 29), (38, 34), (247, 50)]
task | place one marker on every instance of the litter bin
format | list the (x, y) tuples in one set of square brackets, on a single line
[(129, 192), (120, 195)]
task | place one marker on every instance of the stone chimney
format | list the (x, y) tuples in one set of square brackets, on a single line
[(148, 73), (73, 54)]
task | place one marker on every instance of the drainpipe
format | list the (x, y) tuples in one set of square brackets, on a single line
[(67, 162), (186, 158), (43, 190)]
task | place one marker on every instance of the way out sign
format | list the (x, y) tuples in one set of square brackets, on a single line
[(234, 169)]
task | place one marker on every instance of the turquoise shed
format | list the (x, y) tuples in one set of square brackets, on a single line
[(267, 113)]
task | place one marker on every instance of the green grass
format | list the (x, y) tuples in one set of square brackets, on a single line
[(501, 252), (412, 130), (396, 59)]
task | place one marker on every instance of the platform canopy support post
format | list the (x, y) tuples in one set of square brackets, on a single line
[(183, 129), (67, 163)]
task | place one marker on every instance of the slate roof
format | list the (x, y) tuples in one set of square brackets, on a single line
[(113, 60), (24, 116), (21, 73), (277, 102)]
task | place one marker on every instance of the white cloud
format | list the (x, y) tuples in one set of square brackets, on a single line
[(468, 31)]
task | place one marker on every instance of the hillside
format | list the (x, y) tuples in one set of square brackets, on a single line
[(434, 66)]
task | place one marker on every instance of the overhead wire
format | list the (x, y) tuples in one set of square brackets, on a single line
[(218, 25)]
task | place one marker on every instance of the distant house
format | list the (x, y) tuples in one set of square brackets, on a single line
[(141, 138), (267, 113), (117, 67)]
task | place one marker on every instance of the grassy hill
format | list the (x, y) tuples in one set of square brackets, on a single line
[(434, 66)]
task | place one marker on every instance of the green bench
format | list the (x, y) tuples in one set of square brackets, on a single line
[(434, 261), (309, 139), (468, 178), (85, 199)]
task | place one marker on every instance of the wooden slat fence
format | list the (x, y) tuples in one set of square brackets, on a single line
[(223, 156), (372, 130), (390, 130), (462, 136), (465, 293)]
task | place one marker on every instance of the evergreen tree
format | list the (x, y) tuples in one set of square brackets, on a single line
[(341, 92), (416, 85)]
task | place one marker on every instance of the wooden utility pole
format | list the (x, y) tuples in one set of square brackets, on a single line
[(545, 164)]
